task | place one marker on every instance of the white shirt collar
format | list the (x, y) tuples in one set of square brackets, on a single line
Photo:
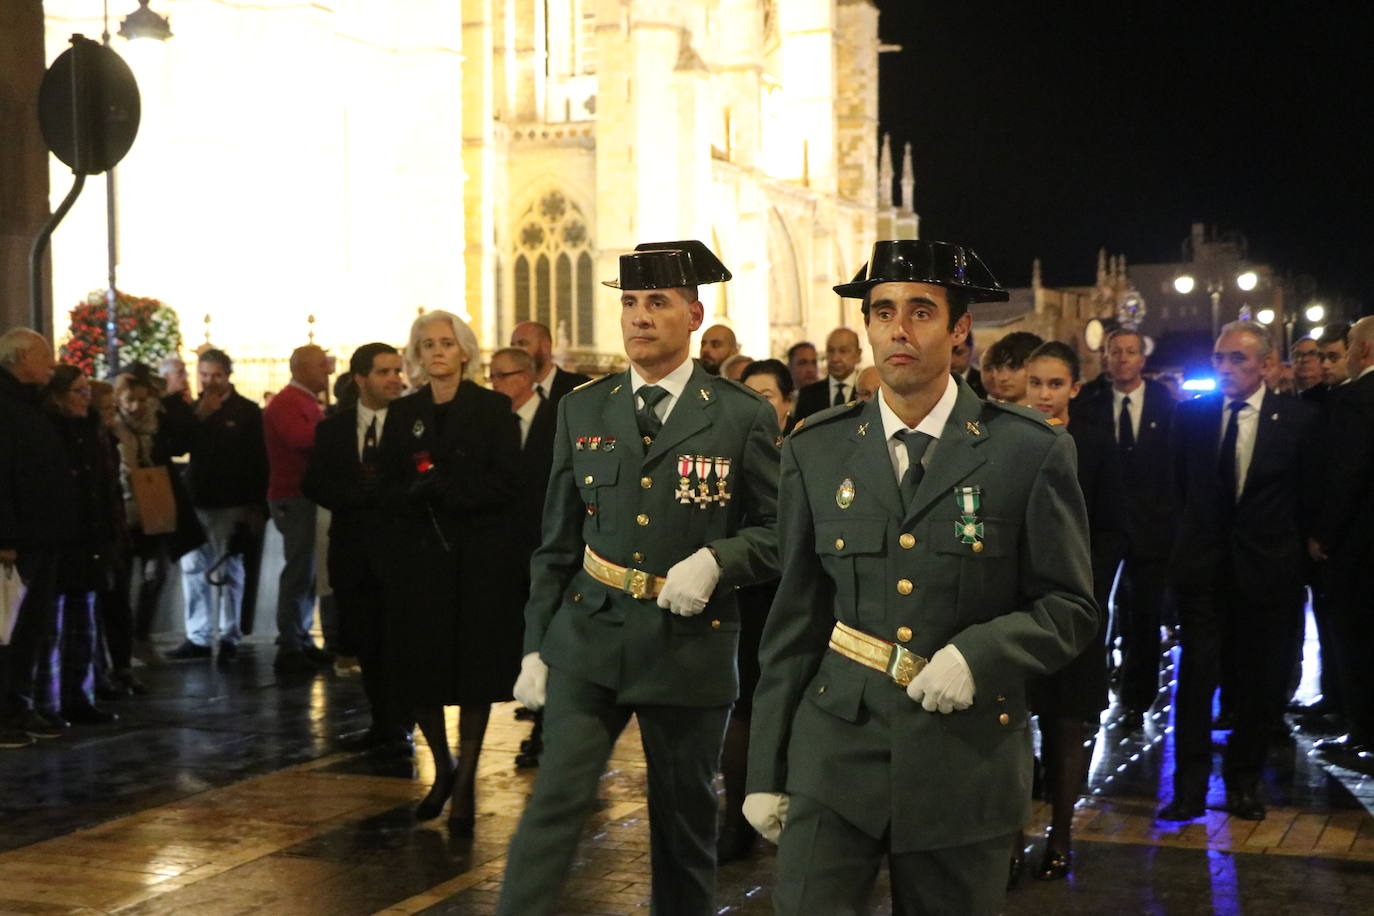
[(1255, 400), (933, 424), (673, 383), (1366, 371), (527, 410), (545, 384), (849, 381), (296, 384), (366, 414)]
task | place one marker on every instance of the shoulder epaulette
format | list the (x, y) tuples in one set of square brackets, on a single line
[(827, 415), (594, 381), (1029, 414)]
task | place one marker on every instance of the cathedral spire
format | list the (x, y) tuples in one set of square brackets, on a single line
[(885, 173), (908, 180), (1101, 267), (1035, 274)]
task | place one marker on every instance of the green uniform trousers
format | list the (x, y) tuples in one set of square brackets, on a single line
[(682, 749), (827, 865)]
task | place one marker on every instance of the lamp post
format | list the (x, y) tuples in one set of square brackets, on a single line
[(1206, 257), (141, 23)]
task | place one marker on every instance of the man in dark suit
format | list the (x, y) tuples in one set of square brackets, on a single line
[(926, 523), (342, 477), (1242, 471), (549, 379), (662, 499), (842, 354), (1343, 542), (512, 374), (1307, 364), (1139, 412), (960, 363)]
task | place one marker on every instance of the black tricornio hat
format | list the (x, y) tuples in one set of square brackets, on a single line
[(920, 261), (667, 265)]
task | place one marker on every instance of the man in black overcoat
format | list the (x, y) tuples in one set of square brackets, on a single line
[(1241, 467), (550, 380), (342, 477)]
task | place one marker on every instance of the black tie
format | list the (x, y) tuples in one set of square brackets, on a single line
[(1125, 433), (370, 446), (1227, 459), (646, 416), (916, 444), (840, 399)]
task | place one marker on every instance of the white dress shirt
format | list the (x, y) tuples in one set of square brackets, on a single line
[(932, 425), (673, 383), (365, 417), (1247, 426), (525, 414), (1134, 411), (545, 385), (834, 384)]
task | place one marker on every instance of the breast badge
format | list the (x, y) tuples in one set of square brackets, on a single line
[(844, 496), (695, 479), (418, 429), (969, 528)]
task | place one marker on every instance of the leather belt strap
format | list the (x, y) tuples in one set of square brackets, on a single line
[(633, 582), (897, 662)]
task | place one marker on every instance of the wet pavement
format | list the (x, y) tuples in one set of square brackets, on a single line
[(225, 791)]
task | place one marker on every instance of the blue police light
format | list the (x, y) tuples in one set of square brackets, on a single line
[(1200, 384)]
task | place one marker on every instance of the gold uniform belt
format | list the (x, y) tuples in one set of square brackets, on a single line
[(633, 582), (897, 662)]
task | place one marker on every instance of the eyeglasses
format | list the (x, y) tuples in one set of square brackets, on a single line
[(1332, 357), (497, 376), (1307, 354)]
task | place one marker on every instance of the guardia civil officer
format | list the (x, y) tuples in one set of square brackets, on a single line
[(935, 553), (662, 498)]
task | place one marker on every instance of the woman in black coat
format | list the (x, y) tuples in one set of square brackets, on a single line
[(449, 456), (1069, 702)]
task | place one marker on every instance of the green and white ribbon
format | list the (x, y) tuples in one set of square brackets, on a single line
[(969, 528)]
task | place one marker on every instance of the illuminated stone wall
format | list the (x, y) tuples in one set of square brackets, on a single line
[(293, 159)]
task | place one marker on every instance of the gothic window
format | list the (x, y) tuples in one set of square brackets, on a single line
[(553, 234)]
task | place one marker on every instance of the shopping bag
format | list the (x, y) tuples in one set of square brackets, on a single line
[(157, 504), (11, 596)]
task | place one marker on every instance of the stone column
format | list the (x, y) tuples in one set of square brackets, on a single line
[(23, 159)]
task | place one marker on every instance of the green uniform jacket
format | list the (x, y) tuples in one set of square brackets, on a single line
[(621, 499), (848, 736)]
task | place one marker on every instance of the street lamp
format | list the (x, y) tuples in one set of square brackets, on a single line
[(1247, 281), (141, 23), (1183, 284), (1265, 316), (1317, 331), (1315, 312)]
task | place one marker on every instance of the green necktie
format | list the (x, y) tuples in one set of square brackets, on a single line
[(916, 444), (646, 417)]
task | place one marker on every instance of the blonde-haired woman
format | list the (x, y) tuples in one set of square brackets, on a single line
[(449, 451)]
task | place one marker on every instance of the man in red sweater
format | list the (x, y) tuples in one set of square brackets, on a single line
[(289, 424)]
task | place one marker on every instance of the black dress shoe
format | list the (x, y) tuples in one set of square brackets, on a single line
[(228, 651), (1055, 865), (86, 714), (365, 742), (398, 747), (1182, 808), (433, 804), (1349, 743), (294, 663), (1245, 804), (523, 714), (524, 761), (188, 649), (317, 655), (13, 738), (1016, 867), (34, 723), (736, 842)]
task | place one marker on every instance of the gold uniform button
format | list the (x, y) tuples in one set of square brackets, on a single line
[(821, 689), (907, 541), (642, 520), (587, 480), (904, 634), (977, 546), (1004, 719), (839, 543), (715, 624), (639, 557), (904, 587), (577, 596), (645, 483), (648, 440)]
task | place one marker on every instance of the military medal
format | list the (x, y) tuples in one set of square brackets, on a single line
[(608, 444), (722, 472), (863, 429), (844, 496), (969, 528), (594, 443), (684, 482), (418, 429), (581, 443), (703, 497)]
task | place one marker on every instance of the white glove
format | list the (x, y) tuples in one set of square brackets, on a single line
[(945, 684), (766, 812), (533, 682), (689, 584)]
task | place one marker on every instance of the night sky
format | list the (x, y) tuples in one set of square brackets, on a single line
[(1040, 130)]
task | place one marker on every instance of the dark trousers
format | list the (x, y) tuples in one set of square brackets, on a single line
[(361, 601), (37, 626), (682, 750), (827, 865), (1328, 637), (1352, 621), (1139, 600), (150, 562), (295, 519), (1216, 623)]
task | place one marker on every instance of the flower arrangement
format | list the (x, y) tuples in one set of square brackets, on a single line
[(148, 330)]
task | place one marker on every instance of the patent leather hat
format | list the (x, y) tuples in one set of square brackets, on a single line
[(920, 261), (667, 265)]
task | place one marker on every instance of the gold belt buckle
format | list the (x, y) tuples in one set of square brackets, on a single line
[(903, 665), (636, 583)]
